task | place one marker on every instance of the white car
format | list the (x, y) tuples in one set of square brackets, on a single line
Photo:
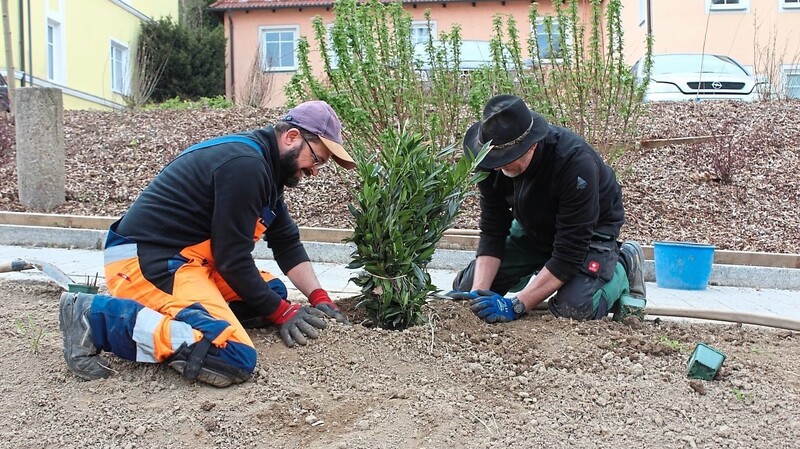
[(679, 77)]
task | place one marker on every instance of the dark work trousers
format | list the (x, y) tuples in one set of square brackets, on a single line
[(591, 294)]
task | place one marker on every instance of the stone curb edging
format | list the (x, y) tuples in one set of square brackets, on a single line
[(339, 253)]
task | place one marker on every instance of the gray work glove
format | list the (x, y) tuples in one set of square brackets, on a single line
[(304, 323), (330, 309), (321, 301)]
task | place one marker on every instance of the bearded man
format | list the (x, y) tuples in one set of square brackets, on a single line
[(179, 267)]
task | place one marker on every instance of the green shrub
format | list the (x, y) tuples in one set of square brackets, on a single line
[(373, 77), (412, 183), (410, 195), (195, 59), (218, 102), (375, 82), (578, 80)]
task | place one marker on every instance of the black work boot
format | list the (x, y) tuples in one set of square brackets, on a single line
[(632, 258), (80, 352)]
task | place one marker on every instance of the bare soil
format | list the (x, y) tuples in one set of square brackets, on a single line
[(453, 383)]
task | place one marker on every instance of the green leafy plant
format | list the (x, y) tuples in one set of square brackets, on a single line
[(574, 74), (376, 81), (671, 343), (409, 196), (32, 332), (743, 396), (217, 102)]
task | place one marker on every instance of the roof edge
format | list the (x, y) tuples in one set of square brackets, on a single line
[(299, 4)]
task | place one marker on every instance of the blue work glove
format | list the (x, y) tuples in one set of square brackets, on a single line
[(492, 307), (461, 296)]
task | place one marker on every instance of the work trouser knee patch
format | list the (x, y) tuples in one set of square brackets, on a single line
[(581, 298), (199, 362), (575, 299)]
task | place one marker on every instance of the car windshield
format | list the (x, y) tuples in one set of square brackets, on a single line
[(666, 64)]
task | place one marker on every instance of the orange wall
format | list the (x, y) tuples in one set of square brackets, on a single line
[(475, 21), (684, 26)]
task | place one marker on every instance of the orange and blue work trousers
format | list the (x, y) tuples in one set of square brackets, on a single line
[(151, 324)]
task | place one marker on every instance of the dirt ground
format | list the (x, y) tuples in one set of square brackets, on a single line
[(453, 383)]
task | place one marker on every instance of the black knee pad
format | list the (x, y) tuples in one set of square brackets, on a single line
[(201, 362)]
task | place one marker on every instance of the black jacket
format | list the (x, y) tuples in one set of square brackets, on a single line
[(218, 193), (566, 195)]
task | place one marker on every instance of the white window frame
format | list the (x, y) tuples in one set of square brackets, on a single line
[(786, 72), (739, 6), (642, 12), (331, 53), (120, 74), (786, 4), (567, 39), (54, 51), (262, 43), (423, 25)]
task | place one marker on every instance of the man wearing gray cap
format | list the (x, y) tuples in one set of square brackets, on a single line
[(551, 213), (179, 263)]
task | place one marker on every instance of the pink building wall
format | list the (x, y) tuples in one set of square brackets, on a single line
[(475, 20)]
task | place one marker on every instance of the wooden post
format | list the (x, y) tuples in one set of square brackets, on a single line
[(10, 77)]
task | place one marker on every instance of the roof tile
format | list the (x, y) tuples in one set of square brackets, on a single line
[(221, 5)]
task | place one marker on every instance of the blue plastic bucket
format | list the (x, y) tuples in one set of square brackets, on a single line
[(683, 266)]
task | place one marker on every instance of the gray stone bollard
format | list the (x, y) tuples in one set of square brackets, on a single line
[(39, 113)]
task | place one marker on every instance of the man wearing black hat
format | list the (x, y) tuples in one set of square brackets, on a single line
[(551, 212)]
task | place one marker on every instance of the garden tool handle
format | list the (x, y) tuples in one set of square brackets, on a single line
[(14, 265)]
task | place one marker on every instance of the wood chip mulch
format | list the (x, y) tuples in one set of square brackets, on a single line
[(738, 193)]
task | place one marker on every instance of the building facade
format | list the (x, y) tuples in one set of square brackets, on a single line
[(83, 47), (270, 29)]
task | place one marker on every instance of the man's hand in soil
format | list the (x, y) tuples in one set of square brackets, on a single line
[(492, 307), (297, 323), (320, 300)]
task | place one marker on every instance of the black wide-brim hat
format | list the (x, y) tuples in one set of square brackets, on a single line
[(511, 128)]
